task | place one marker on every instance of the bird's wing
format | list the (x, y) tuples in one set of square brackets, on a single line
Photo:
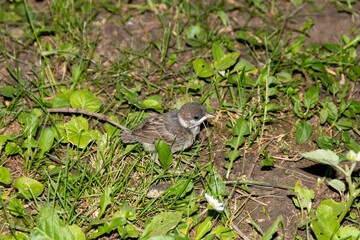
[(152, 129)]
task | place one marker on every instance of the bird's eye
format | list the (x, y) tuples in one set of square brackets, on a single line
[(196, 117)]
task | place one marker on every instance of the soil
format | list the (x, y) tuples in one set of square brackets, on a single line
[(264, 204)]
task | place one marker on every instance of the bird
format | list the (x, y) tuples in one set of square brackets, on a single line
[(178, 128)]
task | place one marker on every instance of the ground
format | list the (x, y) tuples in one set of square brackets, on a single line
[(130, 28)]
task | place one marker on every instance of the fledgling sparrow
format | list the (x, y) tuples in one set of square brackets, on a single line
[(178, 128)]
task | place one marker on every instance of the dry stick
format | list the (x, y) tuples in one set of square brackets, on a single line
[(88, 113)]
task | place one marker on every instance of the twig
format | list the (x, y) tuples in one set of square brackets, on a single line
[(88, 113)]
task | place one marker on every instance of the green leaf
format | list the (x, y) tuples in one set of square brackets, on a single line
[(226, 61), (241, 127), (323, 156), (216, 184), (195, 36), (245, 65), (8, 91), (164, 153), (12, 149), (326, 142), (109, 227), (128, 231), (30, 122), (161, 224), (311, 97), (202, 68), (273, 229), (16, 208), (236, 142), (303, 132), (127, 212), (203, 228), (323, 114), (4, 138), (180, 188), (77, 232), (85, 100), (49, 226), (217, 51), (331, 109), (5, 176), (224, 233), (46, 141), (105, 200), (338, 185), (28, 187), (303, 196), (131, 96), (77, 132), (345, 124), (154, 102)]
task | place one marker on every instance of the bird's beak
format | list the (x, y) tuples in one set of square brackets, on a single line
[(209, 115)]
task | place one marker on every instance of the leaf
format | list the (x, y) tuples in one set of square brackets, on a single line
[(217, 51), (224, 233), (311, 97), (331, 109), (5, 176), (338, 185), (161, 224), (109, 227), (16, 208), (128, 231), (245, 65), (46, 141), (241, 127), (127, 212), (180, 188), (216, 184), (28, 187), (326, 142), (105, 200), (131, 97), (49, 226), (30, 122), (77, 232), (236, 142), (226, 61), (195, 36), (303, 132), (273, 229), (12, 148), (154, 102), (203, 228), (323, 156), (85, 100), (164, 153), (202, 68), (304, 196), (77, 132)]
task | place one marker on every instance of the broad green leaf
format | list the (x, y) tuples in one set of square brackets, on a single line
[(232, 155), (349, 232), (46, 141), (226, 61), (345, 124), (326, 142), (16, 207), (241, 127), (77, 132), (154, 102), (217, 51), (132, 97), (224, 233), (273, 229), (323, 114), (338, 185), (28, 187), (161, 224), (216, 184), (311, 97), (4, 138), (49, 226), (85, 100), (5, 176), (224, 18), (164, 153), (323, 156), (195, 36), (331, 109), (203, 228), (8, 91), (127, 212), (303, 196), (105, 200), (303, 131), (180, 188), (30, 122), (246, 66), (352, 145), (77, 232), (202, 68), (249, 37), (60, 133), (236, 142), (12, 148), (109, 227), (128, 231)]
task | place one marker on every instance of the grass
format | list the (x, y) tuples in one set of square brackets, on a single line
[(274, 96)]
